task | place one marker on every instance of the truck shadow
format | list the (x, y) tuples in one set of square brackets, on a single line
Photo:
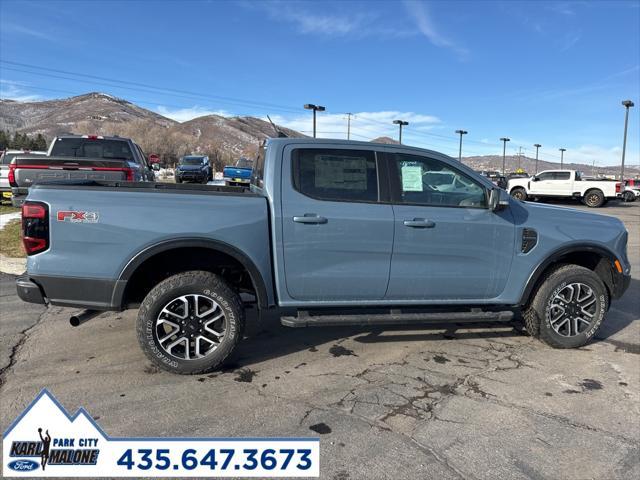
[(268, 339)]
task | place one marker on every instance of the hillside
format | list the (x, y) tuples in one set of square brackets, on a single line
[(99, 113), (494, 162), (52, 117)]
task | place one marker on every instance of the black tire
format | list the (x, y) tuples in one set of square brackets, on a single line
[(538, 315), (594, 198), (190, 283), (629, 197), (178, 180), (519, 193)]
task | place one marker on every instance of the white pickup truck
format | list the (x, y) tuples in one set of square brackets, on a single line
[(565, 183)]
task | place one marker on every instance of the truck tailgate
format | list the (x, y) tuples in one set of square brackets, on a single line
[(29, 171)]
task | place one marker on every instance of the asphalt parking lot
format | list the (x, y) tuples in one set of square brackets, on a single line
[(441, 402)]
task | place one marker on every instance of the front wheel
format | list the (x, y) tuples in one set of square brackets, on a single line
[(519, 193), (594, 198), (190, 323), (568, 307), (629, 197)]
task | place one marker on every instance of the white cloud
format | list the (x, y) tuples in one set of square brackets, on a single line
[(17, 91), (188, 113), (421, 15), (364, 125)]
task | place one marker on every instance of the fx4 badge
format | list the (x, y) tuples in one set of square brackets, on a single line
[(77, 217)]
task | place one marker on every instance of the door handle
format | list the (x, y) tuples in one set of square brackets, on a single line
[(310, 218), (419, 223)]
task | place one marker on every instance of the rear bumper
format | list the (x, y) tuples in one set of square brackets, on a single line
[(18, 196), (89, 293), (29, 291)]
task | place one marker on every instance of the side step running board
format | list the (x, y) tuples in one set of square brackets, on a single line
[(305, 320)]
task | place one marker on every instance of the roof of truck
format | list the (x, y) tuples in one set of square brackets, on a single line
[(334, 141)]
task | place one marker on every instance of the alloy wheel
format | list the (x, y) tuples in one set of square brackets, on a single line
[(190, 327), (572, 309)]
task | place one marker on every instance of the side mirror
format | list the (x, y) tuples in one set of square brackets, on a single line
[(498, 199), (156, 167), (534, 179)]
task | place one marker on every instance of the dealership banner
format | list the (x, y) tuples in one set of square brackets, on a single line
[(45, 441)]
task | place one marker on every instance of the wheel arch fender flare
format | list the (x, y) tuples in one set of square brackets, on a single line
[(556, 255), (150, 251)]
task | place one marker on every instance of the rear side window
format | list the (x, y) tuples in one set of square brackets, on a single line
[(92, 148), (257, 175), (336, 175)]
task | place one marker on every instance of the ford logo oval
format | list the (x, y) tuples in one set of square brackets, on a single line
[(23, 465)]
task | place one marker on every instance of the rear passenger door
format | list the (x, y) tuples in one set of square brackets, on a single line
[(337, 224), (448, 244)]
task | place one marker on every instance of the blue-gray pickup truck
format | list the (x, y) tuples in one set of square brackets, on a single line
[(329, 233)]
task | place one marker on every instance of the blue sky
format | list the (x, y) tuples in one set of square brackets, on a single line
[(537, 71)]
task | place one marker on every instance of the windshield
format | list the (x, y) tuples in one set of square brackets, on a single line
[(92, 148), (191, 161), (244, 163)]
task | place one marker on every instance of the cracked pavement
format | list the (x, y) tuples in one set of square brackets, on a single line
[(441, 402)]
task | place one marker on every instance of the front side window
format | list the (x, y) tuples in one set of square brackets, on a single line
[(336, 175), (426, 181), (545, 176)]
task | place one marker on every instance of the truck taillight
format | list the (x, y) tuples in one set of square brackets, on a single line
[(128, 174), (35, 227), (12, 175), (618, 187)]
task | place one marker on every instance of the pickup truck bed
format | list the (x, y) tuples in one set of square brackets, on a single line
[(231, 218)]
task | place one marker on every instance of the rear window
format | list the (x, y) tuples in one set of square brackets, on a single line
[(88, 148), (191, 160), (336, 175)]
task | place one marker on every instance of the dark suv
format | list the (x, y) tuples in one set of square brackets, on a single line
[(194, 168)]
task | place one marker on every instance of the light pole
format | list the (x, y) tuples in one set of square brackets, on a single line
[(504, 141), (562, 150), (315, 108), (400, 123), (537, 145), (461, 133), (627, 104), (349, 115)]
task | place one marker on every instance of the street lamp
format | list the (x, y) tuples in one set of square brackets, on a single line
[(627, 104), (504, 141), (537, 145), (461, 133), (562, 150), (400, 123), (315, 108)]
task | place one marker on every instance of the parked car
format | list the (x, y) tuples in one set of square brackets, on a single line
[(565, 183), (496, 177), (5, 159), (240, 174), (194, 168), (331, 233), (631, 193), (80, 158)]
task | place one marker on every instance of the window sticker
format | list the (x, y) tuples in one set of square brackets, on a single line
[(338, 172), (411, 178)]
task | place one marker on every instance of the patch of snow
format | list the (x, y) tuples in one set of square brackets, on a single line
[(7, 217)]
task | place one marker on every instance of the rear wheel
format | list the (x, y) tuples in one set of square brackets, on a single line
[(568, 307), (594, 198), (190, 323), (519, 193)]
